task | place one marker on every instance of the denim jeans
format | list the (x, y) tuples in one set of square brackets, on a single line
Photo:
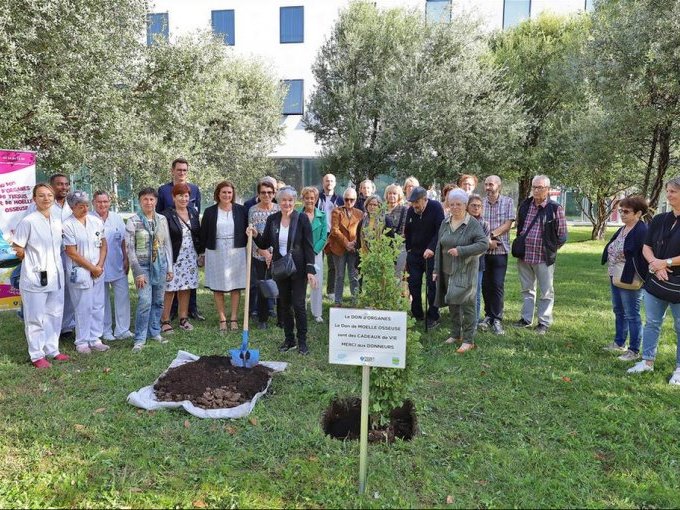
[(480, 277), (149, 309), (626, 307), (656, 309)]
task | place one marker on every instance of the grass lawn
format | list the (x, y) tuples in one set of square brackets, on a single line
[(524, 421)]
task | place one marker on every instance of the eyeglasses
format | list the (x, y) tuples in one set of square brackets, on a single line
[(475, 205), (266, 192), (625, 211), (538, 188), (350, 200)]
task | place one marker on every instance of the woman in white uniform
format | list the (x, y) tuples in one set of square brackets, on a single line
[(37, 242), (85, 245), (223, 234), (115, 270)]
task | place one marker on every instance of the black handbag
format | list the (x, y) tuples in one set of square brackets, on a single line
[(518, 248), (668, 290), (285, 266)]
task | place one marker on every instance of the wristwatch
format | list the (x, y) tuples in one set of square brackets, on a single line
[(669, 262)]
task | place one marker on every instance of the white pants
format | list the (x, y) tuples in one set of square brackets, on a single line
[(316, 295), (42, 322), (529, 274), (88, 305), (121, 299)]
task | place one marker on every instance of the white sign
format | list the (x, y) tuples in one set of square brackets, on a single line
[(374, 338)]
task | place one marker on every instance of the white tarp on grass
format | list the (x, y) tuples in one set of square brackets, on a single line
[(146, 398)]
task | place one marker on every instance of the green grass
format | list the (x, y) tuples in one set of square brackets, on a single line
[(523, 421)]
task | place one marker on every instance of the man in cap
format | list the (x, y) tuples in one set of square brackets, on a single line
[(420, 233)]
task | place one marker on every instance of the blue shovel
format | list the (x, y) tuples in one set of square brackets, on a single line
[(244, 357)]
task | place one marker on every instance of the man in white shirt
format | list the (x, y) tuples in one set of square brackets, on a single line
[(115, 270)]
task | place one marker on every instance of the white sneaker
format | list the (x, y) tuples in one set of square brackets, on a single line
[(159, 339), (138, 347), (330, 297), (98, 346), (124, 336), (83, 349), (318, 319), (639, 367), (675, 378), (629, 356), (108, 337), (614, 347)]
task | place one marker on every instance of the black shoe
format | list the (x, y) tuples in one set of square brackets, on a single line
[(67, 335), (497, 328), (485, 323), (287, 346), (431, 324), (262, 325), (303, 350), (541, 329), (521, 324), (196, 316)]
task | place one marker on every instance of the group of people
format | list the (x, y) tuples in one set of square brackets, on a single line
[(73, 258), (640, 260)]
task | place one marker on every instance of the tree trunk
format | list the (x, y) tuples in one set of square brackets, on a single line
[(650, 162), (663, 162), (524, 184), (599, 220)]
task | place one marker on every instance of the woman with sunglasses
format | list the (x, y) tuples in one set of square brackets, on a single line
[(623, 256), (342, 243), (257, 217)]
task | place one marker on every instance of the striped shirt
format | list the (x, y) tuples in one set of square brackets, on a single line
[(534, 240), (496, 214)]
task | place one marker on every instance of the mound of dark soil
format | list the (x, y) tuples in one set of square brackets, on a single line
[(211, 382), (342, 420)]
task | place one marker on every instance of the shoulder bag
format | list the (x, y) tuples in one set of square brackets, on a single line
[(617, 271), (285, 266), (518, 247), (268, 286)]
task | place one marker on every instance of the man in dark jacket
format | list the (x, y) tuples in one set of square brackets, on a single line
[(179, 171), (544, 227), (422, 228)]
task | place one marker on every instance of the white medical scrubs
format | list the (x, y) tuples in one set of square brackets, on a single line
[(87, 293), (116, 279), (41, 238)]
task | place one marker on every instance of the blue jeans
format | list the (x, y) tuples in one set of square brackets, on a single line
[(149, 309), (656, 309), (626, 308), (480, 276)]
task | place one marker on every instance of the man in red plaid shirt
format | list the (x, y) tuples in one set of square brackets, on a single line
[(544, 226)]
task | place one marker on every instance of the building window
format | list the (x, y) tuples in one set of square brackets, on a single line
[(156, 27), (438, 11), (223, 25), (515, 11), (589, 5), (293, 104), (292, 24)]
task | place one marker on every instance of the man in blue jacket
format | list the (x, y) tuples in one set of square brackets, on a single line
[(179, 171), (421, 232)]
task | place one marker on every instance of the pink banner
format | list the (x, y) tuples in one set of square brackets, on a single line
[(11, 161)]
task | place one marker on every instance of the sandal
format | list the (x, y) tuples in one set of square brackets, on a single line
[(223, 329), (234, 325), (185, 324), (166, 327), (465, 347)]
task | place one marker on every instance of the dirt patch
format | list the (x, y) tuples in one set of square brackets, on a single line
[(211, 382), (342, 420)]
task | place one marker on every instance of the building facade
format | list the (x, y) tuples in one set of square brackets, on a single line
[(287, 34)]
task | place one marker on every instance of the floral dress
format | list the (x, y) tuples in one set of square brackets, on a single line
[(185, 274)]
